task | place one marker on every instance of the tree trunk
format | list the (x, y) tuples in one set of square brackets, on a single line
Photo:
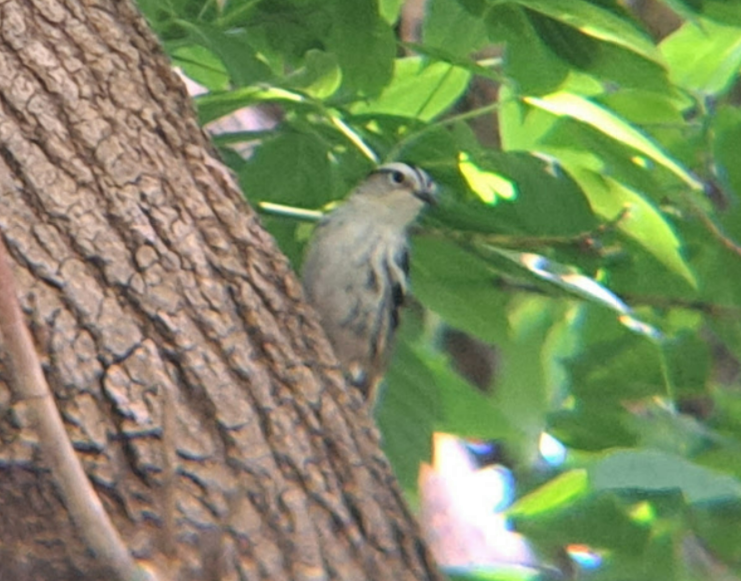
[(197, 389)]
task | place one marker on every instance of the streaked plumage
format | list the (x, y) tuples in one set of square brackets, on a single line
[(356, 269)]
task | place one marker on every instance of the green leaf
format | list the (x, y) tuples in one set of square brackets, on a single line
[(464, 410), (459, 287), (203, 66), (570, 280), (215, 105), (236, 52), (704, 56), (407, 411), (688, 362), (538, 201), (723, 11), (586, 111), (597, 22), (451, 28), (487, 185), (533, 67), (521, 385), (640, 219), (320, 77), (521, 127), (493, 573), (283, 32), (604, 60), (364, 45), (717, 528), (726, 135), (307, 185), (660, 427), (390, 10), (418, 89), (645, 108), (653, 471), (562, 490), (593, 425), (613, 365), (578, 517)]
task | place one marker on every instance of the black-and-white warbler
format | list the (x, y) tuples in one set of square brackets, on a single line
[(356, 269)]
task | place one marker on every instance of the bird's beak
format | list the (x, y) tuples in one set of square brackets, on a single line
[(427, 196)]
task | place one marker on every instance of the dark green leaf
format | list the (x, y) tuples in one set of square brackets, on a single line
[(596, 22), (364, 45), (448, 26), (307, 185)]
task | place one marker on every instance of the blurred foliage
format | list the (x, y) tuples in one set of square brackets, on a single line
[(595, 247)]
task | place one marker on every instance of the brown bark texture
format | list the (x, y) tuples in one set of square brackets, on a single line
[(197, 389)]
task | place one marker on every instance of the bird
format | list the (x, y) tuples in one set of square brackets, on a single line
[(355, 272)]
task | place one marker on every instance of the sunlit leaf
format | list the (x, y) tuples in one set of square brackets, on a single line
[(586, 111), (637, 217), (704, 56), (320, 77), (561, 490), (487, 185), (493, 573), (418, 89)]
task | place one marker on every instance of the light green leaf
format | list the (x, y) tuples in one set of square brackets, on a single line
[(390, 10), (493, 573), (606, 121), (487, 185), (641, 220), (703, 56), (646, 107), (418, 89), (521, 391), (320, 77), (562, 490)]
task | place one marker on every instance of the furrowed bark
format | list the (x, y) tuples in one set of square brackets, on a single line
[(196, 387)]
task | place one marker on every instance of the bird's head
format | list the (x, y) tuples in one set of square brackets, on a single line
[(396, 191)]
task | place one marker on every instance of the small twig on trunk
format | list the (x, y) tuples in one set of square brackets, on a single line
[(29, 386)]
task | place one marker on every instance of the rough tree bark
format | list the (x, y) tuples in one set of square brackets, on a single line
[(197, 389)]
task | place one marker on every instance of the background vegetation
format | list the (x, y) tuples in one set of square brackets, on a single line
[(590, 170)]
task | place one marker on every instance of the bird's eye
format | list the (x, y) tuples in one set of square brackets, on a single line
[(397, 177)]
